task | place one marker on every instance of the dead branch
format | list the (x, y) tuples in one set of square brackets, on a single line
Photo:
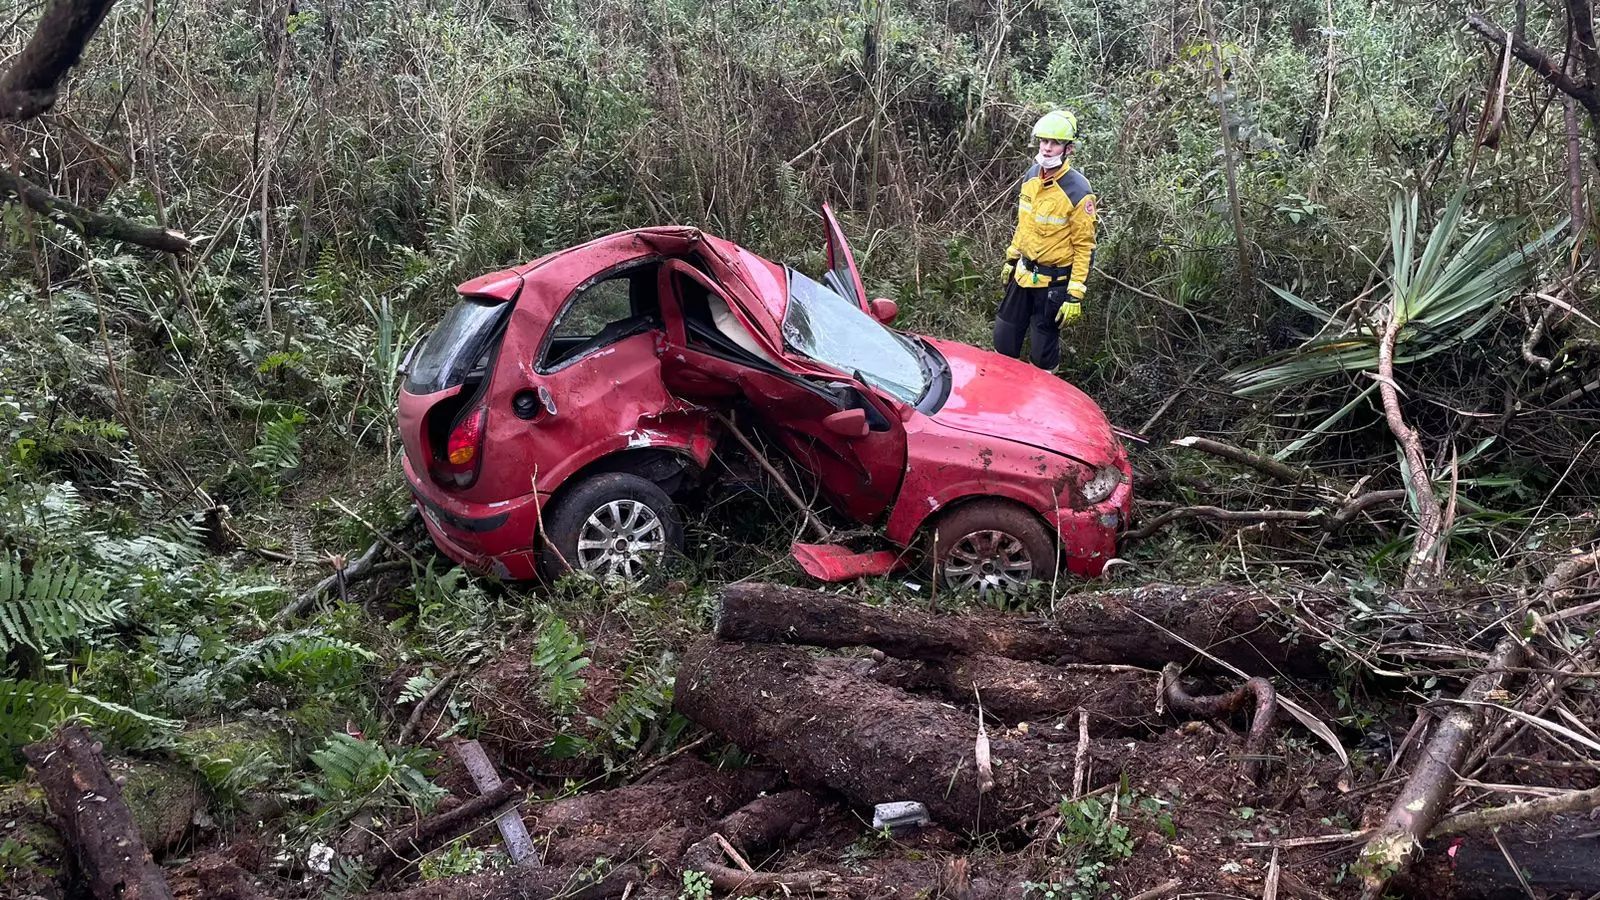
[(407, 846), (1218, 514), (1536, 59), (1164, 889), (1427, 554), (28, 88), (94, 820), (365, 566), (1266, 703), (1575, 801), (87, 222), (1569, 571), (1266, 465), (422, 704), (1415, 810), (758, 825)]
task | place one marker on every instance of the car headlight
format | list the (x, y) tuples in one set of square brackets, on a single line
[(1101, 486)]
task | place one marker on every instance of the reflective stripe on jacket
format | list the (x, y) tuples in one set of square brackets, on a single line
[(1055, 225)]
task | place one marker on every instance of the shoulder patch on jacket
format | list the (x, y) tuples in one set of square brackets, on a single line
[(1076, 186), (1033, 172)]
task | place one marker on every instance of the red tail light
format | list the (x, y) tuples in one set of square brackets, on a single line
[(463, 450)]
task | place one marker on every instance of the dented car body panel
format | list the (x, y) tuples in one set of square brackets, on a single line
[(622, 353)]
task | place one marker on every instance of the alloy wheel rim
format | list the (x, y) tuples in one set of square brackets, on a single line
[(621, 539), (988, 560)]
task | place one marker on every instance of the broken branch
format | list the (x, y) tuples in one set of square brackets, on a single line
[(1416, 809), (1535, 59), (28, 88), (88, 223), (1224, 704), (1574, 801)]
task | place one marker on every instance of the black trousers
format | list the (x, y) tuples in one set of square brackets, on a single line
[(1022, 306)]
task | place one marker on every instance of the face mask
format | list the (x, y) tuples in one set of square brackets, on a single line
[(1049, 162)]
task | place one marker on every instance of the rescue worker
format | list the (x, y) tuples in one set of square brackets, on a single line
[(1047, 264)]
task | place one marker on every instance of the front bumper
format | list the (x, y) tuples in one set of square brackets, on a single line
[(491, 538), (1089, 537)]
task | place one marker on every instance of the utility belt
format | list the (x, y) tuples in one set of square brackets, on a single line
[(1052, 272)]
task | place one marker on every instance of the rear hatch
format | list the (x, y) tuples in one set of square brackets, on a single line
[(445, 377)]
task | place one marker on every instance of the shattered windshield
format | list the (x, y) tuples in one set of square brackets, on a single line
[(826, 327)]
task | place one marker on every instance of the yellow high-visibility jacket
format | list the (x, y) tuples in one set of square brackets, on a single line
[(1055, 227)]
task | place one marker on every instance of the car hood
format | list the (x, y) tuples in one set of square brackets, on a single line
[(1006, 398)]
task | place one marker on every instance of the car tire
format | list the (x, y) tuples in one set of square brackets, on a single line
[(633, 514), (986, 545)]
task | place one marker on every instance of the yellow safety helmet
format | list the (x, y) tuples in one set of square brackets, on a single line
[(1057, 125)]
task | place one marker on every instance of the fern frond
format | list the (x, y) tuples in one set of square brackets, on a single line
[(52, 606), (30, 709)]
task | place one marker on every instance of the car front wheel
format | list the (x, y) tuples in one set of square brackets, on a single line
[(992, 545), (614, 525)]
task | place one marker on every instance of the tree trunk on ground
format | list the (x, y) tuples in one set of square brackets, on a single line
[(575, 883), (1423, 797), (1559, 862), (1118, 699), (869, 742), (95, 821), (1103, 627)]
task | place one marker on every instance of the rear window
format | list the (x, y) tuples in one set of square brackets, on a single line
[(459, 349)]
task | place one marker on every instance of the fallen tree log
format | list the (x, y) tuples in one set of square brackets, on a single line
[(1118, 699), (1422, 798), (1563, 861), (869, 742), (758, 825), (99, 829), (1100, 627), (590, 882)]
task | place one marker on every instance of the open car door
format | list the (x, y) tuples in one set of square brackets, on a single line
[(842, 277), (839, 430)]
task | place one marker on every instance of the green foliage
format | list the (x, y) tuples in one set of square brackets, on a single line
[(356, 775), (459, 858), (1439, 298), (696, 885), (644, 706), (349, 877), (52, 606), (279, 447), (558, 657), (29, 710)]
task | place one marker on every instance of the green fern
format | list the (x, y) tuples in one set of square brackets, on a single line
[(559, 658), (53, 606), (30, 709), (279, 447), (645, 702), (355, 774), (308, 660)]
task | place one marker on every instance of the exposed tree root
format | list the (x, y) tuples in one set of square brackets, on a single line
[(1266, 709)]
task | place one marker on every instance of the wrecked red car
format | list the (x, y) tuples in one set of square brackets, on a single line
[(559, 411)]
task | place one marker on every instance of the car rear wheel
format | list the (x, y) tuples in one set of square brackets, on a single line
[(614, 525), (992, 545)]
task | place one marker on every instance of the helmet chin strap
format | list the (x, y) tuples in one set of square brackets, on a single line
[(1050, 162)]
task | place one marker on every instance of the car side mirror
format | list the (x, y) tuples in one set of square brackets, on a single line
[(884, 310), (850, 423)]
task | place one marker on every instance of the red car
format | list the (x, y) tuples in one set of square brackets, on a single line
[(557, 410)]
